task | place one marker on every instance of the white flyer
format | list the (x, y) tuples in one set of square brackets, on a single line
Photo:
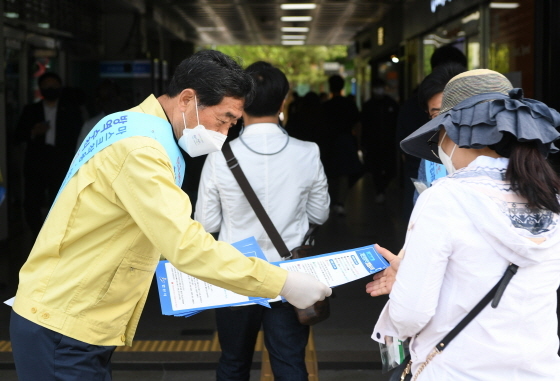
[(184, 295), (338, 268)]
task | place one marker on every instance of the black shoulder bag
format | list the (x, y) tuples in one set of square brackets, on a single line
[(402, 372), (321, 309)]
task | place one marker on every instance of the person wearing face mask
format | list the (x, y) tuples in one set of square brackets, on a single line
[(85, 282), (491, 224), (430, 94), (412, 115), (379, 121), (288, 178), (50, 128)]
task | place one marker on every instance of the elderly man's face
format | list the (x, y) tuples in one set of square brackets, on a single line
[(220, 117), (434, 105)]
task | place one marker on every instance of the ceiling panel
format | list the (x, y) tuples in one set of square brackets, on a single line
[(258, 22)]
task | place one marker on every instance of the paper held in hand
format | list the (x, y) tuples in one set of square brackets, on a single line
[(183, 295)]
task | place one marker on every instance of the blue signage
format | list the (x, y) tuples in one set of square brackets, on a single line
[(125, 69)]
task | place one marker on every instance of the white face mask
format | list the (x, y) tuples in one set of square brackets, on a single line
[(199, 140), (446, 160)]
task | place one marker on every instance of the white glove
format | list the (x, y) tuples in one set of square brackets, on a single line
[(303, 290)]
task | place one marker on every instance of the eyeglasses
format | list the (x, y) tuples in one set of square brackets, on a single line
[(434, 140)]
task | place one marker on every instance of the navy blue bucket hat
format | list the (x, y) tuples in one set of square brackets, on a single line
[(480, 108)]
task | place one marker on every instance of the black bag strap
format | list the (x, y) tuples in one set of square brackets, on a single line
[(255, 203), (309, 238), (494, 295)]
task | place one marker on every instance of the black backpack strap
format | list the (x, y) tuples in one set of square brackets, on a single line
[(255, 203)]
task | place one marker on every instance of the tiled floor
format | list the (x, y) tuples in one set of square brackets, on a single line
[(327, 375)]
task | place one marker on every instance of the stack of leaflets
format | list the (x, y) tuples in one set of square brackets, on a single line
[(183, 295)]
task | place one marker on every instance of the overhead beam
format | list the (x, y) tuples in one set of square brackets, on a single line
[(342, 19), (251, 25), (139, 5), (204, 37), (169, 22), (158, 14)]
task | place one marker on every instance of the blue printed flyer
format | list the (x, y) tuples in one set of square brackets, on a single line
[(335, 269), (184, 295)]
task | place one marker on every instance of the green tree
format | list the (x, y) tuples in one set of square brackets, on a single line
[(303, 65)]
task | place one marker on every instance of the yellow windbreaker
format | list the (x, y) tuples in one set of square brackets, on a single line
[(90, 269)]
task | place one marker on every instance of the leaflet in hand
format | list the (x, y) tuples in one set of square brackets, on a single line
[(184, 295), (341, 267)]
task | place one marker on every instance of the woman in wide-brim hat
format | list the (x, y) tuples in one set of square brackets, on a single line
[(498, 206)]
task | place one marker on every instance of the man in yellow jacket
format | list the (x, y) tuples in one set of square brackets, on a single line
[(84, 285)]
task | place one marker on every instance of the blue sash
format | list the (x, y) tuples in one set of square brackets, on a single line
[(434, 171), (125, 124)]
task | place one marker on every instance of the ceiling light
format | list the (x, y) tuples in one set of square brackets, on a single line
[(293, 37), (298, 6), (472, 17), (211, 29), (504, 5), (302, 29), (290, 42), (395, 59), (295, 18)]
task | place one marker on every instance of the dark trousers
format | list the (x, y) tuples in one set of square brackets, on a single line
[(285, 338), (45, 355), (381, 165)]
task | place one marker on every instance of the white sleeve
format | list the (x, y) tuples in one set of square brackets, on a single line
[(415, 294), (384, 326), (208, 209), (319, 200)]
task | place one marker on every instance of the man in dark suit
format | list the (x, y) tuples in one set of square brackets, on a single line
[(339, 149), (50, 127), (379, 123)]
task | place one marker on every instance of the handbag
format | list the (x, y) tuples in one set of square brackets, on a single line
[(321, 309), (403, 371)]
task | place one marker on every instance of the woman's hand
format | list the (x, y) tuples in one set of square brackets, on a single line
[(383, 281)]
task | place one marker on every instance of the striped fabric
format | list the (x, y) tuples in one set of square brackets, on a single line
[(470, 83)]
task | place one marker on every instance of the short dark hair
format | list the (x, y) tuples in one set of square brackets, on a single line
[(271, 88), (435, 82), (336, 83), (447, 53), (213, 75), (47, 75)]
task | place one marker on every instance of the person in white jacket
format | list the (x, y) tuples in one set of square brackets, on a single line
[(288, 179), (498, 206)]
